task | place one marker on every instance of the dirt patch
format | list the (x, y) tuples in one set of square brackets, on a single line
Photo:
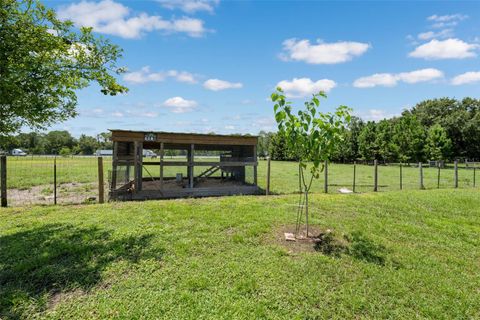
[(58, 297), (67, 193), (323, 240)]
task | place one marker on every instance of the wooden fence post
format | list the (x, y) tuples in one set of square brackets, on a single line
[(420, 168), (401, 177), (354, 174), (101, 187), (456, 173), (375, 180), (267, 191), (55, 180), (326, 177), (3, 180)]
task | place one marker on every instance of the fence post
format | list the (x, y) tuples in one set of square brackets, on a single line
[(3, 178), (326, 177), (420, 168), (354, 174), (401, 177), (267, 191), (474, 169), (456, 173), (101, 187), (438, 176), (55, 180), (375, 181)]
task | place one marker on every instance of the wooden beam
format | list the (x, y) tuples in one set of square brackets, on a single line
[(161, 164), (191, 165), (138, 169), (114, 166), (101, 190)]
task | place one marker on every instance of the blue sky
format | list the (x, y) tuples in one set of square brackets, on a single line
[(203, 66)]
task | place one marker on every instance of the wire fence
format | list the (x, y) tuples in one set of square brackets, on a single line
[(48, 180)]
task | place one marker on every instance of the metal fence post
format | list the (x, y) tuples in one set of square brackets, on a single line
[(326, 177), (55, 180), (101, 187), (420, 168), (3, 180), (456, 173), (438, 177), (354, 174), (267, 191), (401, 177), (375, 181)]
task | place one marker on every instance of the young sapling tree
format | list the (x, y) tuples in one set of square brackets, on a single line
[(313, 136)]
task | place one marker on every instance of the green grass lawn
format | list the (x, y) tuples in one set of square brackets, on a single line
[(417, 255)]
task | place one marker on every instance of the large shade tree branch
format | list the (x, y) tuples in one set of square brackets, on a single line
[(44, 61)]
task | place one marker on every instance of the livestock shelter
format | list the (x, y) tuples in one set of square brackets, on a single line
[(188, 165)]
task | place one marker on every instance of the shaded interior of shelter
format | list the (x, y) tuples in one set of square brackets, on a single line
[(205, 169)]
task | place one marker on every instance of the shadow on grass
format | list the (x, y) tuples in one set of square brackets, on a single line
[(356, 245), (58, 258)]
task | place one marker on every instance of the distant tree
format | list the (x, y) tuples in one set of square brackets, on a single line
[(56, 140), (87, 145), (44, 62), (65, 151), (367, 146), (438, 145), (264, 140), (313, 137), (279, 148), (386, 148), (409, 138), (104, 141)]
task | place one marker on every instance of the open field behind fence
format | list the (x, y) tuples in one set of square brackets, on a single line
[(30, 180)]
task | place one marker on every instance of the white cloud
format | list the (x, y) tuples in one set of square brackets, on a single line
[(180, 105), (302, 87), (391, 80), (230, 127), (422, 75), (376, 115), (110, 17), (322, 53), (217, 85), (467, 77), (145, 75), (377, 79), (445, 49), (446, 33), (190, 6), (447, 18)]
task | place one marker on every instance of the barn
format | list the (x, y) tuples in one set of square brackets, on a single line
[(188, 165)]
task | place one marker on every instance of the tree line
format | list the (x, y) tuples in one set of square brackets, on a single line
[(56, 142), (436, 129)]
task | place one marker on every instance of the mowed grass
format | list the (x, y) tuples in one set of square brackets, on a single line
[(26, 172), (220, 258)]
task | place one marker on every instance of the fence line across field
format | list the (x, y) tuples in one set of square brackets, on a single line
[(52, 180)]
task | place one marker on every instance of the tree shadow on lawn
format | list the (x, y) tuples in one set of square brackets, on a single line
[(59, 258)]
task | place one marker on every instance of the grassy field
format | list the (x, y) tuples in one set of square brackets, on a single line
[(412, 254), (23, 173)]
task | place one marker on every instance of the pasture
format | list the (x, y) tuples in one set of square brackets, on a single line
[(413, 254)]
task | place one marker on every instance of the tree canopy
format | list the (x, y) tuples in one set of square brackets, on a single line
[(44, 61)]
